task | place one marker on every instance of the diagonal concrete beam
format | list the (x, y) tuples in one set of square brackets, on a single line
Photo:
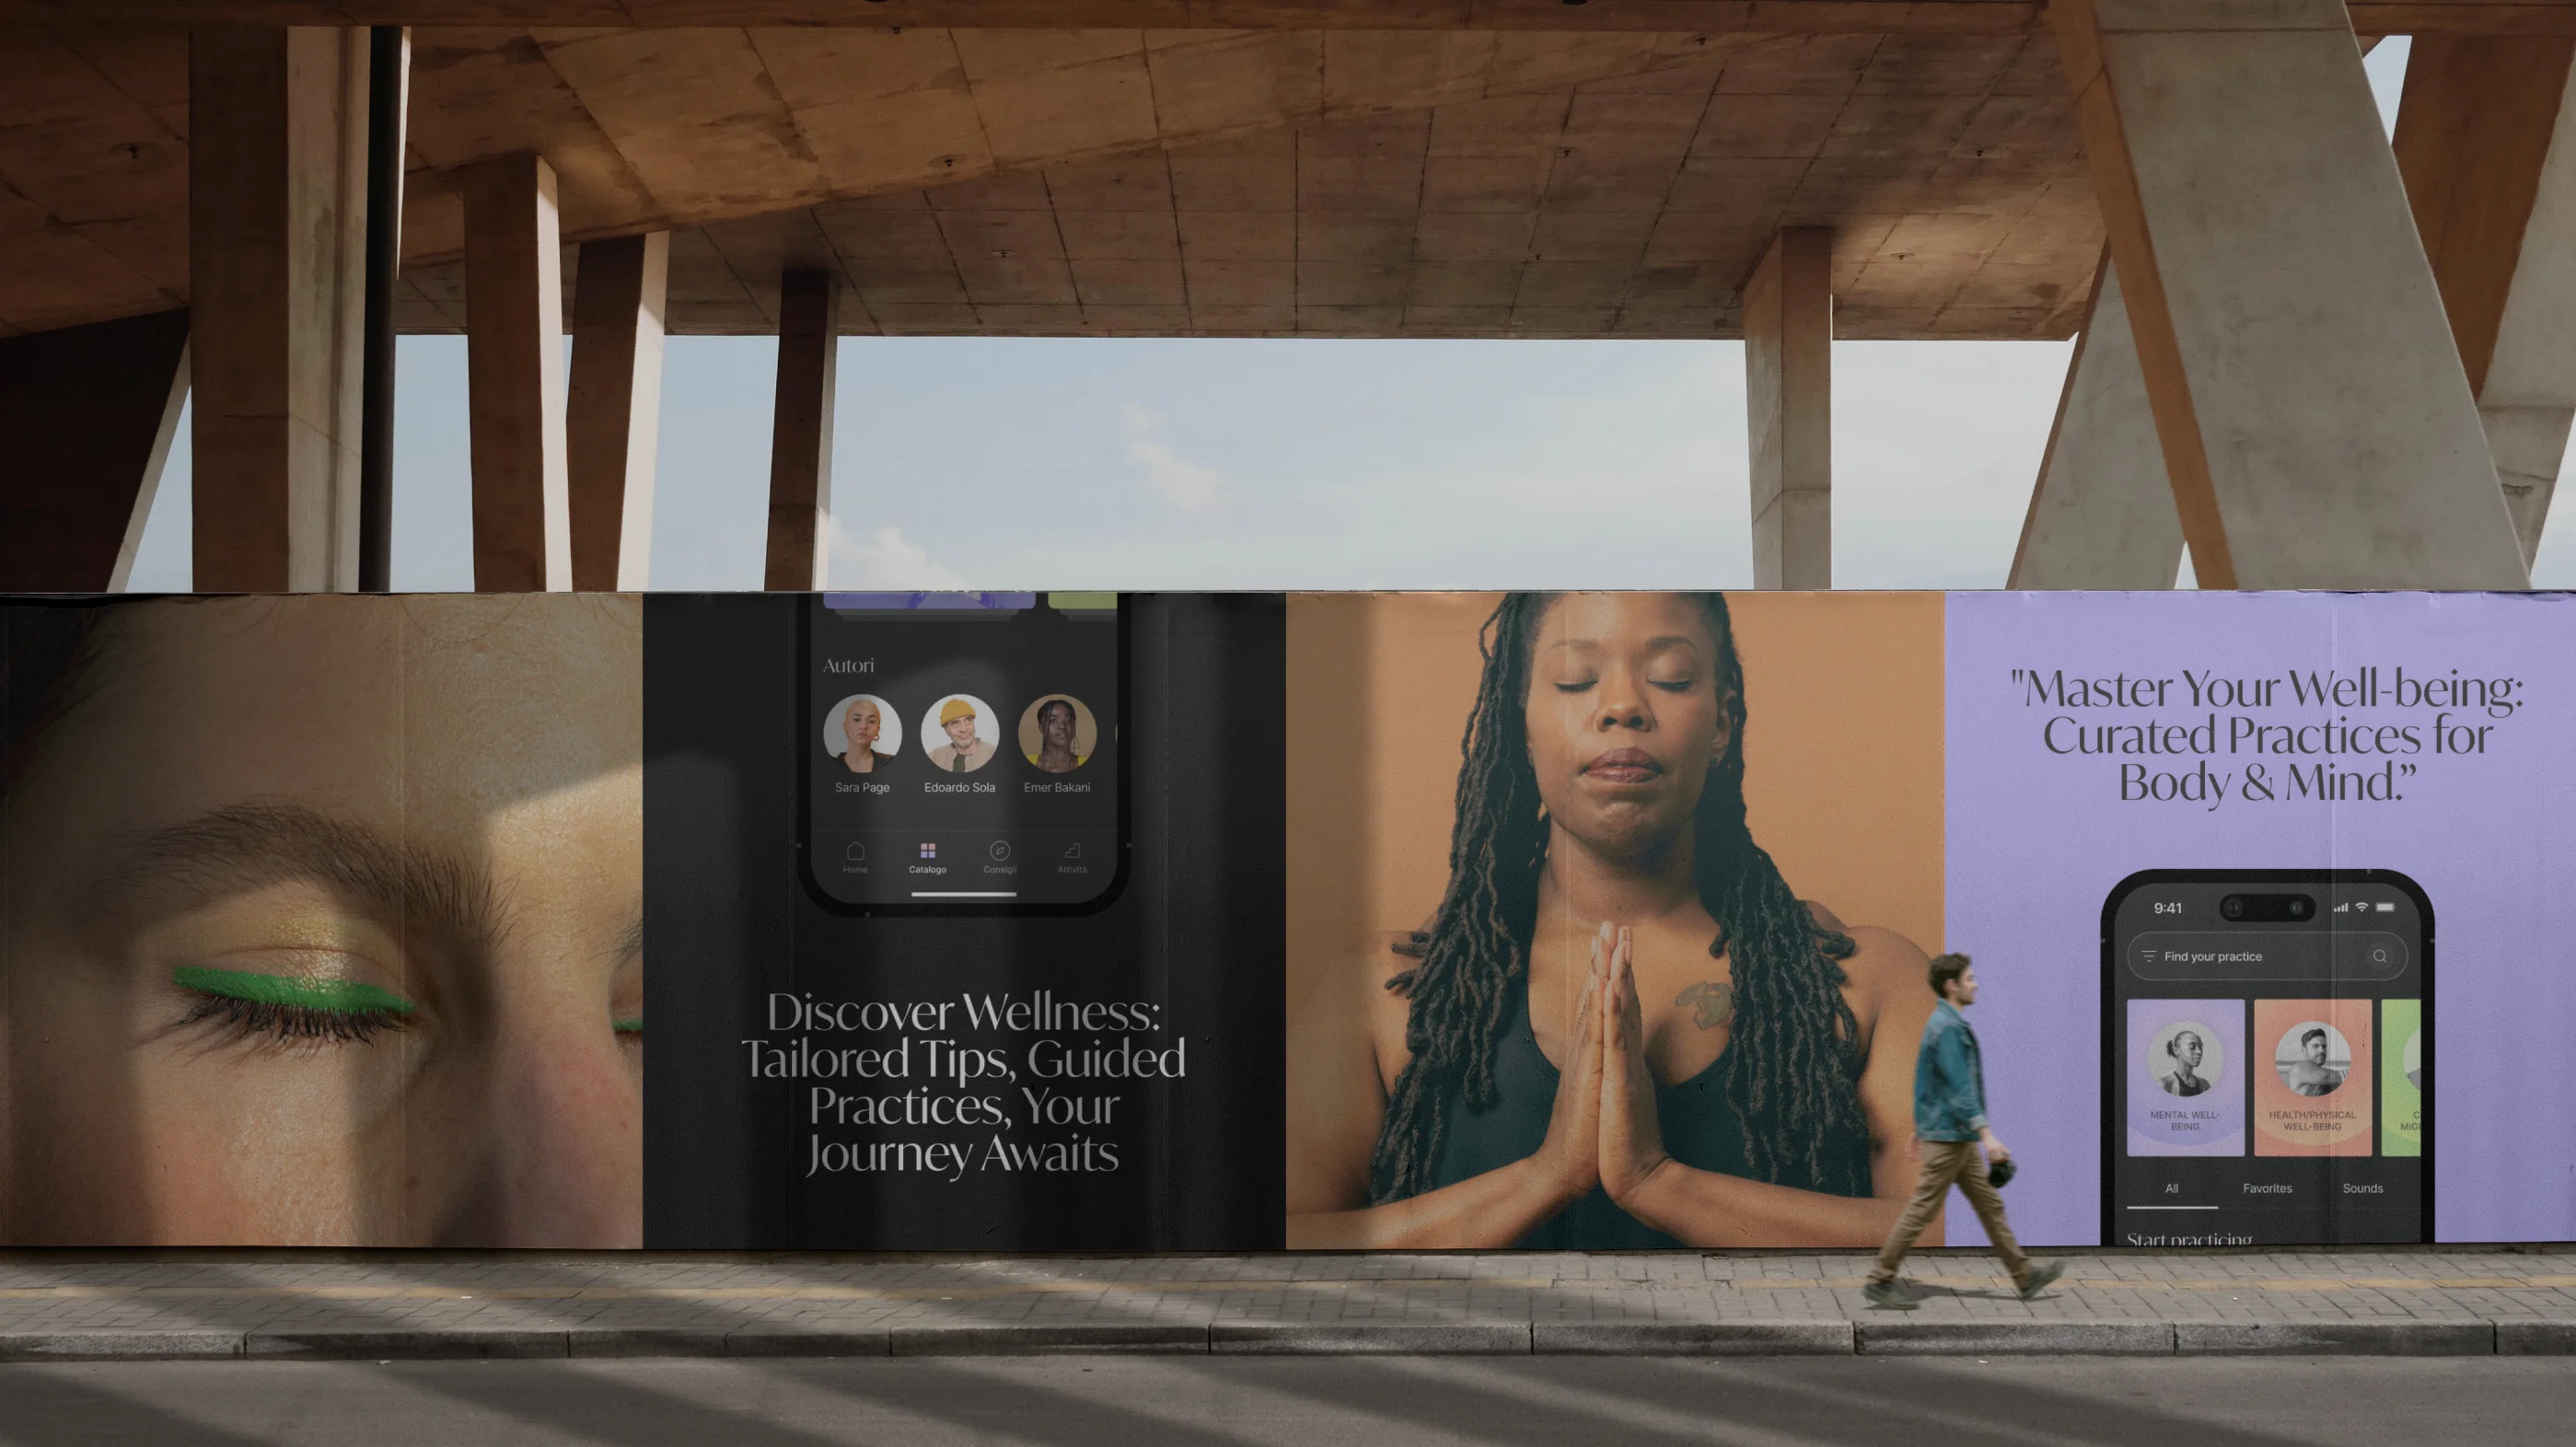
[(2316, 426), (2487, 145), (2102, 514), (87, 415), (800, 448)]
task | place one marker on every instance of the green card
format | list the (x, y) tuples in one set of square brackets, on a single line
[(2401, 1078)]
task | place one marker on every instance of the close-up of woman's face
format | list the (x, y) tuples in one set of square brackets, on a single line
[(1056, 722), (2187, 1050), (351, 956), (1624, 717), (859, 726)]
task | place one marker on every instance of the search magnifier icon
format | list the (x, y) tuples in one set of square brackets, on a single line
[(2379, 957)]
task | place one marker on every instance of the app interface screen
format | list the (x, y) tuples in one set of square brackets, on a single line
[(2270, 1074), (963, 749)]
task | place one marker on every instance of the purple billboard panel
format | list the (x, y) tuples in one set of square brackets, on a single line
[(2090, 737)]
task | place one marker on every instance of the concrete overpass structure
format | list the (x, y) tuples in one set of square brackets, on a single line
[(2322, 360)]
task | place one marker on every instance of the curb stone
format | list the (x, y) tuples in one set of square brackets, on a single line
[(612, 1341), (1692, 1338), (789, 1343), (1391, 1338), (1394, 1338), (417, 1345), (2535, 1338), (2356, 1338), (2015, 1338), (112, 1346), (1033, 1338)]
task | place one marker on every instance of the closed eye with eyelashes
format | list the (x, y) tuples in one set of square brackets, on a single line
[(290, 1008)]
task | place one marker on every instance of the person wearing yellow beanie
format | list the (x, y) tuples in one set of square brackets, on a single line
[(964, 753)]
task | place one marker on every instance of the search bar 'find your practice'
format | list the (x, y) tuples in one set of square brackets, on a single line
[(2267, 955)]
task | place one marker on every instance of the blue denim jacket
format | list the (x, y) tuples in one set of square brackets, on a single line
[(1949, 1081)]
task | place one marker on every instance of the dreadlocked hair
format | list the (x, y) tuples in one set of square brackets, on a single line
[(1792, 1066)]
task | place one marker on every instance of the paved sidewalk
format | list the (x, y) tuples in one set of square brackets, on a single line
[(274, 1305)]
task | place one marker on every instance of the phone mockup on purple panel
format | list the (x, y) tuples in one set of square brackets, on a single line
[(2267, 1059)]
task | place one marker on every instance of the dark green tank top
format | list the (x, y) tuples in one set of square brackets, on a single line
[(1701, 1129)]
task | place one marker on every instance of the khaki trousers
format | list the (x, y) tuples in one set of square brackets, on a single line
[(1948, 1163)]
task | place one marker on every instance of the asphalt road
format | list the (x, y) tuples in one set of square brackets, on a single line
[(1308, 1402)]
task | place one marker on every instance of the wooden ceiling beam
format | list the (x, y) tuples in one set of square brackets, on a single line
[(1761, 17)]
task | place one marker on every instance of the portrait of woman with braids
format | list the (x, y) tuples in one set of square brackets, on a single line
[(1621, 1028)]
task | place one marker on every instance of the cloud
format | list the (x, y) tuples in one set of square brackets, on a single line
[(1189, 486), (884, 559)]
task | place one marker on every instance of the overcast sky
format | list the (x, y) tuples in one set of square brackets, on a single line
[(1138, 463)]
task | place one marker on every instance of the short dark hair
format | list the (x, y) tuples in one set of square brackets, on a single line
[(2314, 1034), (1946, 968)]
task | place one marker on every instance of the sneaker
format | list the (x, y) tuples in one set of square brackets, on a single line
[(2042, 1275), (1889, 1296)]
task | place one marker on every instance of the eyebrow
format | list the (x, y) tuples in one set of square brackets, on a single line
[(1655, 644), (254, 844)]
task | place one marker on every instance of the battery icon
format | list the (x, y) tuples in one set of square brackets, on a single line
[(2387, 908)]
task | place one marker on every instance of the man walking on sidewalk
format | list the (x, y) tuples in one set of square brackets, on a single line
[(1949, 1126)]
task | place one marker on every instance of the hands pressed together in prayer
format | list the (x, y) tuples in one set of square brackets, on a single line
[(1604, 1130)]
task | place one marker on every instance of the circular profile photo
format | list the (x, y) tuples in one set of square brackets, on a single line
[(1058, 733), (2187, 1058), (863, 732), (960, 733), (2415, 1058), (2313, 1058)]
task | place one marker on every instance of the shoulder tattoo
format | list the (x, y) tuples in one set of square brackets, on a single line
[(1714, 1002)]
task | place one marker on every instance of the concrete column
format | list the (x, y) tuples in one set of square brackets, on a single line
[(388, 110), (2102, 514), (613, 415), (1788, 394), (86, 418), (277, 219), (800, 449), (2487, 145), (514, 376), (2317, 429)]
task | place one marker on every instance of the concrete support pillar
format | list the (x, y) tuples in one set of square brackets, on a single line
[(86, 418), (800, 449), (2317, 429), (613, 416), (1788, 393), (388, 112), (2487, 145), (2102, 514), (514, 376), (277, 213)]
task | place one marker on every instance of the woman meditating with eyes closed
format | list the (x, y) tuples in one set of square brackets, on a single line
[(1621, 1028)]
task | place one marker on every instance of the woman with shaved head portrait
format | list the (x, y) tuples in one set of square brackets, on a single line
[(320, 922)]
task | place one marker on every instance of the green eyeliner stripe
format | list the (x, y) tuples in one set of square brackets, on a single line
[(628, 1027), (353, 996)]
